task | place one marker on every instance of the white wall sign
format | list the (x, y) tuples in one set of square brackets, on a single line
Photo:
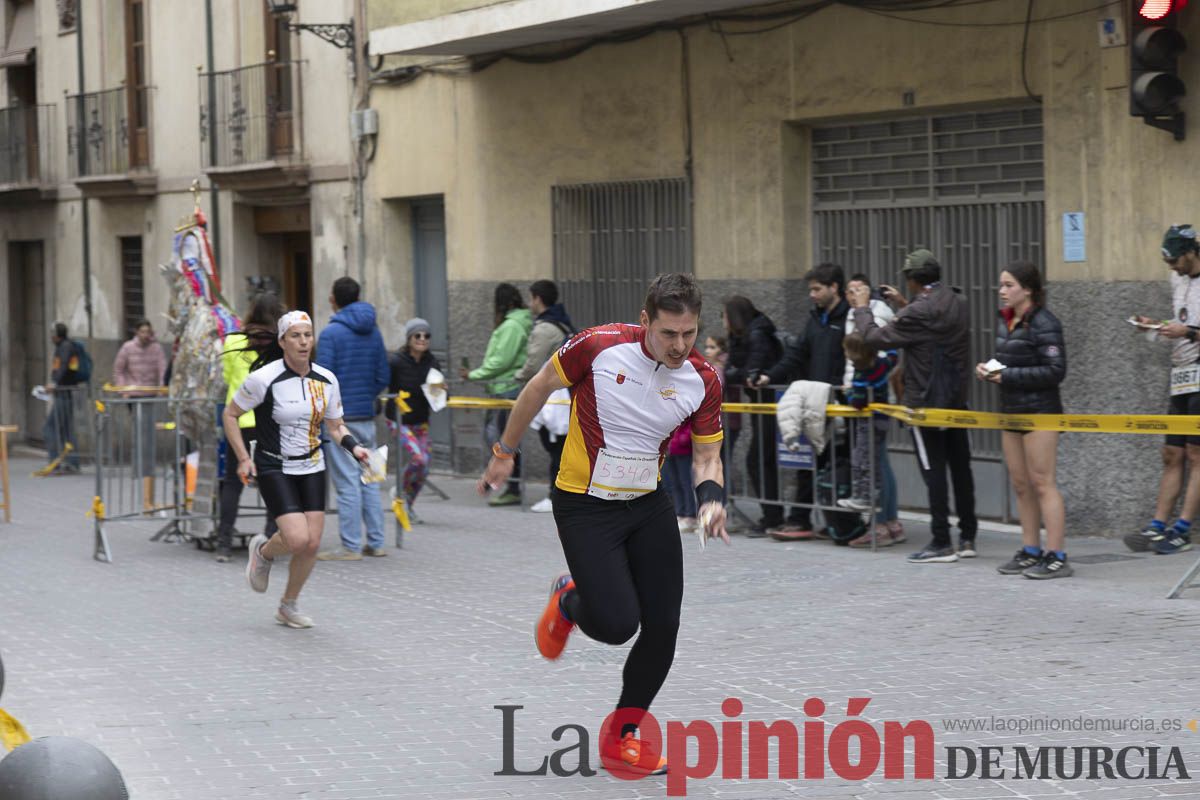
[(1074, 236)]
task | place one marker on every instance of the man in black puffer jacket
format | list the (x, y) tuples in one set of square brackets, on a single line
[(816, 356)]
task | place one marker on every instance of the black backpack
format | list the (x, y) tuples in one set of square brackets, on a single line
[(84, 372)]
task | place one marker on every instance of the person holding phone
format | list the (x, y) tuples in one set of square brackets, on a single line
[(1180, 252)]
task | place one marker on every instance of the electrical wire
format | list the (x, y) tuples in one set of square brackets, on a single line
[(1025, 54), (775, 19)]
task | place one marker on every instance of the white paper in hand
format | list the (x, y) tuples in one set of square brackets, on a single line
[(702, 525), (993, 366), (39, 393), (434, 390), (374, 470)]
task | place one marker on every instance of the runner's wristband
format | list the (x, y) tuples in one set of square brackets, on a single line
[(710, 492), (349, 443), (499, 450)]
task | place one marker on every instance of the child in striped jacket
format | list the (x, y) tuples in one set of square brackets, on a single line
[(871, 370)]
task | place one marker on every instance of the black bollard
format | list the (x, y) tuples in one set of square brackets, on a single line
[(59, 768)]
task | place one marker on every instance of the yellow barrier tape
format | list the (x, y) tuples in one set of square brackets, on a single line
[(1087, 423), (12, 732), (951, 418), (401, 514), (988, 420), (404, 407), (97, 509), (769, 408)]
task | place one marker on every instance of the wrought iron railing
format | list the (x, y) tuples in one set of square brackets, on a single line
[(25, 145), (100, 139), (253, 115)]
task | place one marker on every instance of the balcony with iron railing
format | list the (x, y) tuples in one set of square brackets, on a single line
[(250, 127), (108, 142), (26, 151)]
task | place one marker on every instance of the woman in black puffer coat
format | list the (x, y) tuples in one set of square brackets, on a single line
[(753, 350), (1029, 343)]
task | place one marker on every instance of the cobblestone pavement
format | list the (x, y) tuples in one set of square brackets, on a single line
[(172, 666)]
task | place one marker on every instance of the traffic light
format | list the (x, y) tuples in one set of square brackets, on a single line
[(1155, 43)]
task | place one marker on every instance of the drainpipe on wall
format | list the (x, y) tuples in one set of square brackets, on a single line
[(214, 216), (359, 166), (81, 154)]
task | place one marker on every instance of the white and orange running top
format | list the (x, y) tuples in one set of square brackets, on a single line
[(625, 405)]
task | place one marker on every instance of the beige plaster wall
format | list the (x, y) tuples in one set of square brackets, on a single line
[(496, 141), (384, 13)]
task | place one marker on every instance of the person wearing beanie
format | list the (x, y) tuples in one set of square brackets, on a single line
[(409, 367), (1181, 253)]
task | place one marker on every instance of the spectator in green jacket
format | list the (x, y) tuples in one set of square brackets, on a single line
[(240, 352), (504, 358)]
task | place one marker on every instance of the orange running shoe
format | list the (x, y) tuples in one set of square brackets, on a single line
[(553, 628), (637, 757)]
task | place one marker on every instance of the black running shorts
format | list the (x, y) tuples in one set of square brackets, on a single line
[(1188, 404), (292, 494)]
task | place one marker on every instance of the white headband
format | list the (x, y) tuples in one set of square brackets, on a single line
[(292, 318)]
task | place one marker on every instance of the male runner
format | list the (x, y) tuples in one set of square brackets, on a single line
[(631, 387)]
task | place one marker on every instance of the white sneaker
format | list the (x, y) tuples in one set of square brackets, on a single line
[(543, 506), (855, 503), (289, 615), (258, 567)]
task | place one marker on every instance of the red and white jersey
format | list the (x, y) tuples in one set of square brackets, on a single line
[(626, 403)]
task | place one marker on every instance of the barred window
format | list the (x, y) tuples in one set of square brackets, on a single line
[(132, 298), (612, 239)]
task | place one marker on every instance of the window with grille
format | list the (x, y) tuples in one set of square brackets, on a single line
[(929, 159), (967, 186), (132, 297), (612, 239)]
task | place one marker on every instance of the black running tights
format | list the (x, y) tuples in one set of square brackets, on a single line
[(627, 563)]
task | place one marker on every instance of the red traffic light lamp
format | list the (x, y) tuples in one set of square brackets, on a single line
[(1155, 43)]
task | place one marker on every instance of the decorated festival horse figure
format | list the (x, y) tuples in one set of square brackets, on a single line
[(200, 319)]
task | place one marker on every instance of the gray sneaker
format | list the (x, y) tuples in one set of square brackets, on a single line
[(340, 554), (258, 567), (289, 615), (932, 554)]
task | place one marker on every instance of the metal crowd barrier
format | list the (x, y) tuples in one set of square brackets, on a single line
[(139, 457), (828, 476)]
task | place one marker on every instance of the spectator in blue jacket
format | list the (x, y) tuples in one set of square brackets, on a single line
[(351, 346)]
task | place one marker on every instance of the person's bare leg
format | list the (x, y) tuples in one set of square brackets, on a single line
[(304, 556), (1191, 498), (292, 533), (1041, 455), (1018, 473), (1170, 483)]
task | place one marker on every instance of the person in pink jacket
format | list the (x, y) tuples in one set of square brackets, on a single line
[(677, 477), (141, 363)]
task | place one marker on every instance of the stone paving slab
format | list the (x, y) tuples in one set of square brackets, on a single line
[(168, 662)]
